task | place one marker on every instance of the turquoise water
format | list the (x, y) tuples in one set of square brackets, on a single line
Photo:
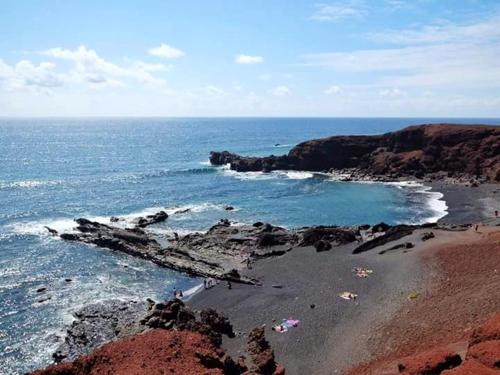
[(54, 170)]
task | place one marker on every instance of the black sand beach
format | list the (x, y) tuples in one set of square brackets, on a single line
[(334, 335)]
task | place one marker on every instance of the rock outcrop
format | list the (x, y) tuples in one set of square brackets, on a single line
[(465, 151), (147, 337), (224, 251), (154, 352)]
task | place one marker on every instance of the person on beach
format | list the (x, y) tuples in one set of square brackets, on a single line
[(174, 292), (229, 285), (496, 213), (476, 227), (204, 283), (180, 295), (248, 263)]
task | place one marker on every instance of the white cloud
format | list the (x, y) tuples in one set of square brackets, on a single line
[(332, 90), (391, 93), (91, 68), (165, 51), (443, 32), (248, 60), (339, 10), (445, 65), (25, 74), (281, 91)]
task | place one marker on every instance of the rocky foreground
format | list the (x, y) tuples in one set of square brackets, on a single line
[(431, 151), (225, 249), (156, 338)]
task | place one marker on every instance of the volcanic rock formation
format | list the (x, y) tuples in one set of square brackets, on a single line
[(470, 151)]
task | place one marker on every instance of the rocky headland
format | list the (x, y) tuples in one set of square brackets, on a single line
[(432, 151)]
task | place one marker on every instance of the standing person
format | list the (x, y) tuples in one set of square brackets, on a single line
[(204, 283), (175, 292), (476, 227), (229, 285), (496, 213)]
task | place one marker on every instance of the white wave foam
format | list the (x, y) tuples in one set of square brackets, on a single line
[(26, 184), (435, 205), (37, 228), (66, 225), (192, 291), (279, 174)]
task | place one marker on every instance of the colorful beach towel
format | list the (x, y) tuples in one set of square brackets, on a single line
[(285, 325)]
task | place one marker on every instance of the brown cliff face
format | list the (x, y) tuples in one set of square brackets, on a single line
[(457, 150)]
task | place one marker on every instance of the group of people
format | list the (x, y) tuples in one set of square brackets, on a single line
[(209, 283)]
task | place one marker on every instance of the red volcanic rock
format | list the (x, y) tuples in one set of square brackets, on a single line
[(470, 367), (490, 330), (155, 352), (486, 352), (431, 362), (457, 150), (262, 354)]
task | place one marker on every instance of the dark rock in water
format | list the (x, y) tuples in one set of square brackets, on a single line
[(277, 286), (143, 222), (114, 219), (229, 208), (322, 245), (68, 280), (182, 211), (69, 236), (51, 231), (40, 290), (427, 236), (258, 224), (458, 150)]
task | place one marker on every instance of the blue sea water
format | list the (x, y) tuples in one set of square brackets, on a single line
[(55, 170)]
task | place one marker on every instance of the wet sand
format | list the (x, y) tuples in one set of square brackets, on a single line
[(467, 205)]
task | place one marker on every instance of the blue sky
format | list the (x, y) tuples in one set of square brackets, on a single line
[(250, 58)]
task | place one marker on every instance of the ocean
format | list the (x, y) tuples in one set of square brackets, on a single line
[(55, 170)]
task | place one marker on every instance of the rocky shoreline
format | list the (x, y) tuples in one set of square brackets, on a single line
[(99, 331), (271, 257), (433, 152), (227, 248)]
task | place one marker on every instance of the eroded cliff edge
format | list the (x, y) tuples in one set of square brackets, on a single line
[(433, 150)]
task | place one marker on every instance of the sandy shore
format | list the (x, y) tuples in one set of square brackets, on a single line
[(337, 334), (469, 204), (332, 336)]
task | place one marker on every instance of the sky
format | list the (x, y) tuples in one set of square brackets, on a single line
[(341, 58)]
